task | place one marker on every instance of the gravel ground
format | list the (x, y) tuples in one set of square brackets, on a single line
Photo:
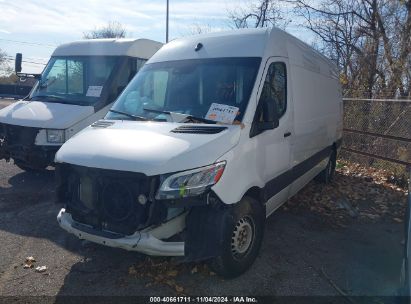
[(5, 102), (302, 254)]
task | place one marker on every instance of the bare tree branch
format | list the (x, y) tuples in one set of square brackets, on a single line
[(112, 30)]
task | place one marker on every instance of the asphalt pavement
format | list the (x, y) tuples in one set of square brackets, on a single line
[(300, 255)]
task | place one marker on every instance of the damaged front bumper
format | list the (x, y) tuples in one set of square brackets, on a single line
[(18, 143), (147, 241)]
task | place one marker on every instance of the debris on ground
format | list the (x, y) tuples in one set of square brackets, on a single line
[(356, 193), (29, 262), (41, 269), (344, 203), (165, 270)]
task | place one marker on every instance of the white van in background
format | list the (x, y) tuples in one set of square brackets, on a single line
[(213, 135), (76, 88)]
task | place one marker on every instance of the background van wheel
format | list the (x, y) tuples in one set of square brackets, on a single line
[(242, 237), (28, 167), (327, 174)]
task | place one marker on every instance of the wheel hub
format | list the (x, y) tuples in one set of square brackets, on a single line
[(242, 237)]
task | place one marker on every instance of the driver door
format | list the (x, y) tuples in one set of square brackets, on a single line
[(274, 145)]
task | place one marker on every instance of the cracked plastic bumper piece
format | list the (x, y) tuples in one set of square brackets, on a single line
[(141, 241)]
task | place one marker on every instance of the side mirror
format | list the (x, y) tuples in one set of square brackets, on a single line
[(17, 62), (270, 117)]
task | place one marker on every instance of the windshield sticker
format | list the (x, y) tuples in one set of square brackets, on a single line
[(222, 113), (94, 91)]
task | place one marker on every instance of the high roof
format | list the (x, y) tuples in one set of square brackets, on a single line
[(237, 43), (261, 42), (142, 48)]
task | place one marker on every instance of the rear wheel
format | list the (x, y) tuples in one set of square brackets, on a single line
[(242, 239), (327, 174), (29, 167)]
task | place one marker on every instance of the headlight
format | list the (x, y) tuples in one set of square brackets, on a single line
[(55, 136), (191, 182)]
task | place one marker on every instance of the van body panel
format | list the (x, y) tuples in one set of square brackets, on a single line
[(38, 114), (317, 112), (301, 181), (146, 147)]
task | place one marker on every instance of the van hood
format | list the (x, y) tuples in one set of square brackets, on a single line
[(146, 147), (44, 115)]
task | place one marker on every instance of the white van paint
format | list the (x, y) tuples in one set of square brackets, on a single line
[(222, 182), (64, 114)]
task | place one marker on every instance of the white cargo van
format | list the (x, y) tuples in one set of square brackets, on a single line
[(76, 88), (214, 133)]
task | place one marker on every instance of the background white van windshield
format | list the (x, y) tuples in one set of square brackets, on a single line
[(76, 80), (188, 87)]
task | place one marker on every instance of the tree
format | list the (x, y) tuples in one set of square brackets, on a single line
[(259, 13), (112, 30), (196, 29), (368, 39), (3, 60), (6, 72)]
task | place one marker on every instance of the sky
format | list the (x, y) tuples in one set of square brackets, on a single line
[(36, 27)]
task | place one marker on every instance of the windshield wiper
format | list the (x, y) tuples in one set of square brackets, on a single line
[(50, 96), (208, 121), (129, 115)]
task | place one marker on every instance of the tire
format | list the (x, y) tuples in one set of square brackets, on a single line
[(29, 168), (327, 175), (242, 237)]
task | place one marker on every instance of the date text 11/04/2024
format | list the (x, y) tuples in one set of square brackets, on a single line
[(187, 299)]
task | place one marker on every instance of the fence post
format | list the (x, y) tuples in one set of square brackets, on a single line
[(407, 245)]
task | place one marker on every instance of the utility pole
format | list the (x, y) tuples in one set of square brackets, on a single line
[(167, 23)]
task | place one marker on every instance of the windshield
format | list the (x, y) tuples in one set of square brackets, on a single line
[(191, 87), (74, 80)]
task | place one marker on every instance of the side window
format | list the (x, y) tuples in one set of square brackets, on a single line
[(140, 63), (275, 87)]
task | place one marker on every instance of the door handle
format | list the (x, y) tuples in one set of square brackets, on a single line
[(286, 134)]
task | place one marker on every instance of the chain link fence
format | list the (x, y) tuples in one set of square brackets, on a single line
[(377, 133)]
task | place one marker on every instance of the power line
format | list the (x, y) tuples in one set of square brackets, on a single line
[(30, 43), (32, 62), (12, 58)]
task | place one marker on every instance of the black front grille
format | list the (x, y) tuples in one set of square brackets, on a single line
[(198, 130), (118, 202), (107, 199), (15, 135)]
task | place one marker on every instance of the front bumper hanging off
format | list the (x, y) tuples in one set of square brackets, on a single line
[(147, 241)]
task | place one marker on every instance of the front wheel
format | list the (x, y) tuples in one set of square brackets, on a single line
[(242, 239)]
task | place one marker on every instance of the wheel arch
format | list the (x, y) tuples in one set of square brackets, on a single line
[(256, 193)]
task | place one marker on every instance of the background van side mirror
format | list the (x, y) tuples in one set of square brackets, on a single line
[(270, 117), (17, 62)]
